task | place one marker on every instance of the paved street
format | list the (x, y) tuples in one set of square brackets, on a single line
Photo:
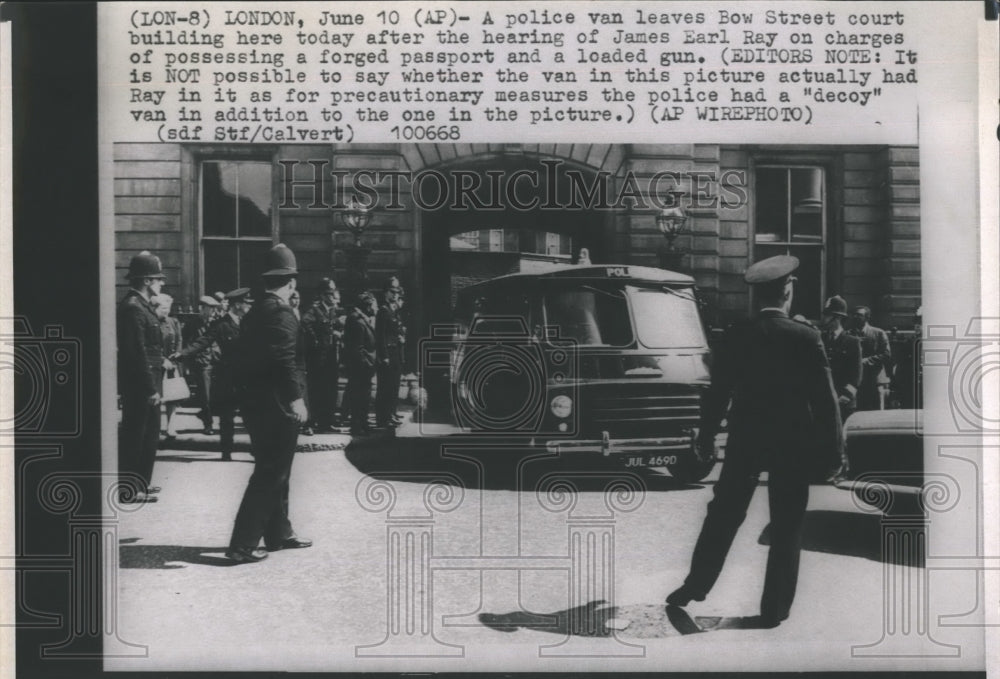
[(475, 563)]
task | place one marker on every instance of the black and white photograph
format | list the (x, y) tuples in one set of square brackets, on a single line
[(469, 337)]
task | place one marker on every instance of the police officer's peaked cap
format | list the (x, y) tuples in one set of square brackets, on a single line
[(771, 269), (145, 265), (208, 301), (835, 306), (280, 261), (239, 295)]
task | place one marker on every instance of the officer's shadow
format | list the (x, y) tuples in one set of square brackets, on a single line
[(168, 557)]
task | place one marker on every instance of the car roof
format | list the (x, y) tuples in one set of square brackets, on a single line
[(625, 272)]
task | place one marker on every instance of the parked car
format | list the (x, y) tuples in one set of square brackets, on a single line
[(885, 454), (603, 360)]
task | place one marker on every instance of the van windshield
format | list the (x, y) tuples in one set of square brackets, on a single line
[(667, 318), (590, 316)]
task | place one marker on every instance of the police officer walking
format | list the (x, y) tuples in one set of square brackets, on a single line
[(783, 420), (273, 410), (223, 333), (321, 333), (359, 359), (389, 354), (875, 356), (140, 375)]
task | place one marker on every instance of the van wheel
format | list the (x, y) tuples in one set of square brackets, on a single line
[(691, 469)]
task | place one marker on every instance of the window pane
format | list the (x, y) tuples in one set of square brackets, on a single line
[(772, 204), (591, 317), (220, 266), (667, 320), (252, 257), (218, 199), (254, 202)]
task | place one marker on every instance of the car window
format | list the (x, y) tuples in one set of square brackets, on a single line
[(667, 318), (589, 316)]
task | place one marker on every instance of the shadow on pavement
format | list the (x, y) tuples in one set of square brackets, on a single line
[(214, 457), (164, 556), (849, 534), (496, 465), (589, 620)]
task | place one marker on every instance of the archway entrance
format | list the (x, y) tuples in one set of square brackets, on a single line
[(507, 214)]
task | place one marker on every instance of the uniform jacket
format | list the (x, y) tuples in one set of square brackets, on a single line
[(222, 333), (783, 410), (267, 362), (193, 330), (388, 334), (321, 332), (140, 346), (359, 342), (844, 355)]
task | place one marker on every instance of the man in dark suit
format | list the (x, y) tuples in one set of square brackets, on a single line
[(224, 334), (389, 354), (843, 351), (205, 359), (783, 420), (359, 360), (268, 378), (875, 356), (140, 375), (321, 333)]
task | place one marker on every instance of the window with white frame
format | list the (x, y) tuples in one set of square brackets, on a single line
[(790, 219), (236, 222)]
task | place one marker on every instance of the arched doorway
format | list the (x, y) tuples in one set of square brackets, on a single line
[(505, 213)]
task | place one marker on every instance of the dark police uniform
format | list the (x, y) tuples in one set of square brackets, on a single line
[(140, 375), (268, 380), (783, 420), (223, 333), (359, 360), (874, 356), (389, 354), (204, 361), (321, 332)]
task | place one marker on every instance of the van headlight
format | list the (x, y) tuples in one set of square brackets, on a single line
[(561, 406)]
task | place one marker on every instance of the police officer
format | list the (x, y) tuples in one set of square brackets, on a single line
[(875, 355), (273, 409), (140, 374), (843, 352), (223, 333), (202, 362), (783, 420), (321, 333), (389, 354), (359, 360)]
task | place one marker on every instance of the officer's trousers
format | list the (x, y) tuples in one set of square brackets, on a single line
[(264, 509), (788, 494), (358, 396), (387, 391), (323, 380), (138, 437), (203, 378)]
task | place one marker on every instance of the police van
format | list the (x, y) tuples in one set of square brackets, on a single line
[(602, 360)]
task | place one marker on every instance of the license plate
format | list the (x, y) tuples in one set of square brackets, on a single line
[(650, 460)]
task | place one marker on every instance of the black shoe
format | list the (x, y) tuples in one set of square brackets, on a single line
[(227, 457), (244, 555), (306, 431), (684, 595), (293, 542), (771, 621)]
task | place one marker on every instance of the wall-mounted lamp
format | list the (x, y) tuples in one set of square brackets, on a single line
[(356, 218), (671, 217)]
